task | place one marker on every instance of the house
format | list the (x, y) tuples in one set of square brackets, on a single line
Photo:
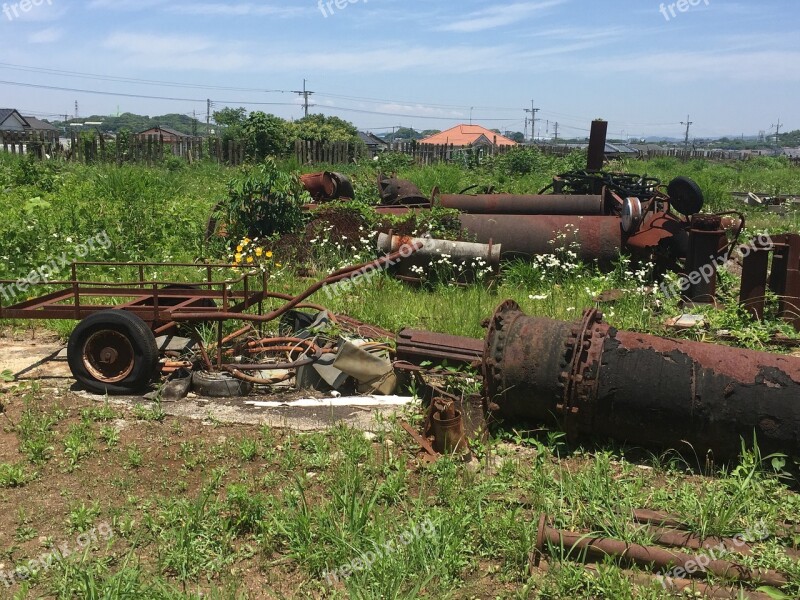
[(11, 120), (469, 136), (43, 129), (28, 128), (374, 144), (164, 134)]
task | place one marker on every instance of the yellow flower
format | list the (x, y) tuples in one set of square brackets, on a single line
[(278, 264), (239, 249), (245, 241), (269, 254), (249, 259), (238, 258), (259, 251)]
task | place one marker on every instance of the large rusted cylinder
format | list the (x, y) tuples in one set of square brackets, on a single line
[(509, 204), (593, 238), (597, 382)]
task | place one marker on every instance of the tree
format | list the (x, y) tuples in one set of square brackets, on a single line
[(319, 128), (230, 122), (230, 117), (518, 137), (266, 135)]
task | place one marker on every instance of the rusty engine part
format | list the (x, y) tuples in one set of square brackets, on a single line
[(594, 238), (417, 347), (783, 280), (510, 204), (469, 261), (326, 186), (394, 191), (588, 547), (448, 427), (595, 381)]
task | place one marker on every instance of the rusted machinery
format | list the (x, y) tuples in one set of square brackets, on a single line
[(784, 277), (595, 381)]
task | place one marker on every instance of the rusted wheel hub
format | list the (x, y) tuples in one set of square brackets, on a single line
[(109, 356)]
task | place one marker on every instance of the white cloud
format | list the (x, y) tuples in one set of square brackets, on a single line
[(175, 52), (46, 36), (498, 16)]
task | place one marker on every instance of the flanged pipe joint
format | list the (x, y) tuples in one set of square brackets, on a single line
[(595, 381)]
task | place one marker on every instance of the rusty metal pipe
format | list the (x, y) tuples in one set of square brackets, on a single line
[(593, 238), (593, 548), (689, 587), (597, 382), (509, 204), (675, 538), (415, 346)]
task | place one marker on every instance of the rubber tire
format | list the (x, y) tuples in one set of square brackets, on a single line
[(168, 302), (219, 385), (685, 196), (145, 359)]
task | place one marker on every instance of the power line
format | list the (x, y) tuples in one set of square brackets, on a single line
[(99, 77), (144, 96)]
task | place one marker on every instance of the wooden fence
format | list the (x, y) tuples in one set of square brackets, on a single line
[(40, 144)]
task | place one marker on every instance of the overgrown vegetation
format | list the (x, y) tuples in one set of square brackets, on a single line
[(216, 511)]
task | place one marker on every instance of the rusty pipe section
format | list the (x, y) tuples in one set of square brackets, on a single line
[(595, 381), (418, 347), (594, 548), (509, 204), (593, 238)]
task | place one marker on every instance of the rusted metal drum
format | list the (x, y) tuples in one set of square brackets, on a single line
[(593, 238), (597, 382)]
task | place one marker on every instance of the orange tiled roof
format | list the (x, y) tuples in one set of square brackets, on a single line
[(466, 135)]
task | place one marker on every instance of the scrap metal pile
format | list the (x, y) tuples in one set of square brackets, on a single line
[(598, 215)]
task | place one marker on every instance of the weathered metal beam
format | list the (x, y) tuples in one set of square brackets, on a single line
[(595, 381)]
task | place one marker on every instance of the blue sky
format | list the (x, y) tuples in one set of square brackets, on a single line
[(733, 66)]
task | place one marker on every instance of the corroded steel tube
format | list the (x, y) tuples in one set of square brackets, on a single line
[(597, 382), (680, 564), (593, 238), (509, 204)]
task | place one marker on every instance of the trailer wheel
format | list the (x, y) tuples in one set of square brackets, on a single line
[(113, 352)]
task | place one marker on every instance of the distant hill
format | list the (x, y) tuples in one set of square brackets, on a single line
[(183, 123)]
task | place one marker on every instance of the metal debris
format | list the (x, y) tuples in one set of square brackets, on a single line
[(596, 382)]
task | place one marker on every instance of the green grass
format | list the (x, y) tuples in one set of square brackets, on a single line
[(251, 512)]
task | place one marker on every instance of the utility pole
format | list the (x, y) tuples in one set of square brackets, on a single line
[(556, 131), (688, 124), (194, 123), (777, 132), (208, 117), (76, 109), (533, 112), (305, 94)]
